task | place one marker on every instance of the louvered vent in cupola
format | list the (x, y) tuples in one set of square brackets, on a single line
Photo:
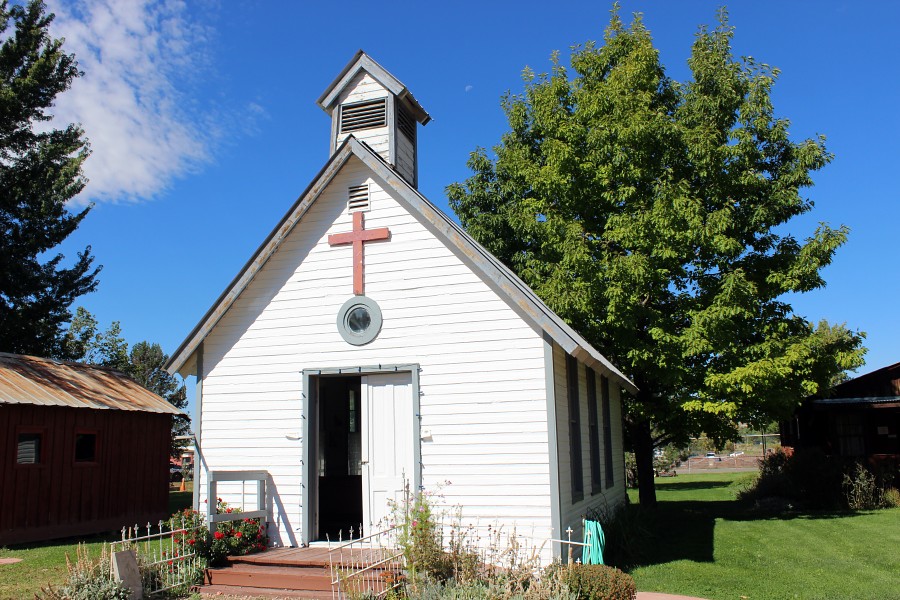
[(364, 115), (359, 198), (406, 124)]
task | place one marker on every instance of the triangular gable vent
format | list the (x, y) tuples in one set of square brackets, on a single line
[(359, 198), (364, 115)]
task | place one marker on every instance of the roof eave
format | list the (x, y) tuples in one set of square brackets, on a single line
[(184, 354), (362, 61), (494, 271)]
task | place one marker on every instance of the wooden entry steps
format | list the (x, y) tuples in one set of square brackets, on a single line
[(275, 573)]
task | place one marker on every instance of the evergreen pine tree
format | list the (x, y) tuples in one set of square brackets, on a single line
[(40, 171)]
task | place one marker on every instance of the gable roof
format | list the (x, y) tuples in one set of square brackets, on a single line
[(47, 382), (363, 62), (504, 282)]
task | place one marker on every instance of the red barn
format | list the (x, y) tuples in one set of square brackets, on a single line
[(83, 450)]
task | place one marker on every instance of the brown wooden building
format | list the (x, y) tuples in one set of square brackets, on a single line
[(859, 419), (82, 450)]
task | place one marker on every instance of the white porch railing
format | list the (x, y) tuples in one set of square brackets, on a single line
[(262, 506), (369, 565)]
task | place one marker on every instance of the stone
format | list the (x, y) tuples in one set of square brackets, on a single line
[(125, 569)]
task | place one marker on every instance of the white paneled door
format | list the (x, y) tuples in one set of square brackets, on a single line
[(387, 443)]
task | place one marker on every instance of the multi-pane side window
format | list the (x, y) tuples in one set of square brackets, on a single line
[(363, 115), (85, 447), (607, 430), (593, 431), (574, 429), (28, 449)]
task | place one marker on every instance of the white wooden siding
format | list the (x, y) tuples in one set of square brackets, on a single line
[(406, 157), (482, 380), (361, 88), (611, 497)]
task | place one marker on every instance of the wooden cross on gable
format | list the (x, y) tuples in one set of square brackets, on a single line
[(358, 237)]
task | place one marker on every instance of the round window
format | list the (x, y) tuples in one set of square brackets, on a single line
[(359, 320)]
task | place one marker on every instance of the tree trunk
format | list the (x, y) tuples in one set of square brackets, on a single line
[(642, 439)]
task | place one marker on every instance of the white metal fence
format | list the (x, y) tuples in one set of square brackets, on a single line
[(167, 558)]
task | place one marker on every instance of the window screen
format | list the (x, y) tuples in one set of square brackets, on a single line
[(574, 429), (594, 430), (607, 430), (28, 449)]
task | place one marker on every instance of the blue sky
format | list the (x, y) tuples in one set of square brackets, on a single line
[(204, 128)]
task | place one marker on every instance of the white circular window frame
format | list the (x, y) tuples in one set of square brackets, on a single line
[(371, 332)]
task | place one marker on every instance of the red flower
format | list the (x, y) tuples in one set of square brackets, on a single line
[(170, 562), (219, 535), (191, 542), (238, 534)]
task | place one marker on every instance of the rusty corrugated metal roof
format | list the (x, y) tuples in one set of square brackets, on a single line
[(48, 382)]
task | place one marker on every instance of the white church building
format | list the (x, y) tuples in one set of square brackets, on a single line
[(370, 341)]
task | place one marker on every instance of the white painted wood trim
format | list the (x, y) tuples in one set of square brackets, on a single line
[(552, 446), (495, 273)]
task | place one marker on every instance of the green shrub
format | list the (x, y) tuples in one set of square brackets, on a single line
[(808, 478), (599, 582), (87, 579), (891, 498), (420, 538), (230, 538), (861, 490), (496, 587)]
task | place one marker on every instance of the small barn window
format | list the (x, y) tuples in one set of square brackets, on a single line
[(85, 447), (358, 198), (28, 449), (594, 431), (363, 115), (607, 430), (574, 429)]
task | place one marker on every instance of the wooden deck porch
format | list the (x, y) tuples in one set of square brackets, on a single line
[(284, 573)]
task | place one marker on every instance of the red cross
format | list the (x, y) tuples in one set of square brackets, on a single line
[(357, 237)]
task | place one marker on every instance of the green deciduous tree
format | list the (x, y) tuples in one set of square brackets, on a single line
[(144, 363), (650, 214), (146, 366), (40, 170)]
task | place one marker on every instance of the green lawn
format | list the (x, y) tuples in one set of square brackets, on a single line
[(42, 563), (45, 562), (705, 543)]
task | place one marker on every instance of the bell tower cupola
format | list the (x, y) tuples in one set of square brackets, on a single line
[(369, 103)]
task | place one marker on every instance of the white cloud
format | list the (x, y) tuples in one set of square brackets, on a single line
[(134, 101), (469, 88)]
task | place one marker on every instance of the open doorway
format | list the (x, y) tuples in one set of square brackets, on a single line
[(339, 457), (363, 451)]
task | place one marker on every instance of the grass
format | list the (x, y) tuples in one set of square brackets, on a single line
[(707, 544), (44, 563)]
